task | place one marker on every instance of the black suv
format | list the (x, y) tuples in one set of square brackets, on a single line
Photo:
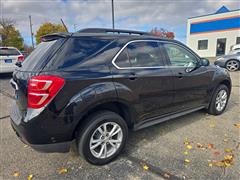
[(90, 87)]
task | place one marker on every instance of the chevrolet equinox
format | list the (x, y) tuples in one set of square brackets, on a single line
[(90, 87)]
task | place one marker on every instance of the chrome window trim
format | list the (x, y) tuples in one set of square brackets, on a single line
[(154, 67), (122, 49)]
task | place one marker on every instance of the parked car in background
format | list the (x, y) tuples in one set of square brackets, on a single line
[(8, 58), (236, 47), (231, 61), (92, 86)]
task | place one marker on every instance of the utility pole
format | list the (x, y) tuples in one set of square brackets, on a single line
[(30, 21), (113, 14)]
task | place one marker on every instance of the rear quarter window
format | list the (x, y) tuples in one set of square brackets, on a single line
[(41, 55), (76, 50)]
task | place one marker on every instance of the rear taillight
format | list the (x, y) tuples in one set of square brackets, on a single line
[(42, 89), (21, 58)]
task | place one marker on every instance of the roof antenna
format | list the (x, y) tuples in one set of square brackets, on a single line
[(65, 27)]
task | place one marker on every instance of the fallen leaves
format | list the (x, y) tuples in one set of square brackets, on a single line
[(30, 176), (62, 171), (166, 175), (226, 162), (237, 125), (186, 142), (16, 174), (145, 167), (228, 150), (200, 146), (216, 153), (212, 125), (210, 146), (226, 154)]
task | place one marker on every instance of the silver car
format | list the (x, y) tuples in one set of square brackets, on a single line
[(230, 61)]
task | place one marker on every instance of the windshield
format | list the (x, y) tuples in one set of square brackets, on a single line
[(9, 52)]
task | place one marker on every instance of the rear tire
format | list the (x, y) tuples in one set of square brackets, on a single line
[(219, 100), (103, 137)]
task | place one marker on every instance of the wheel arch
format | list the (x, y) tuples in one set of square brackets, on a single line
[(121, 108), (226, 83)]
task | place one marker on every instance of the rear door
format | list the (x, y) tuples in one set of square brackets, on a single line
[(140, 70), (191, 81)]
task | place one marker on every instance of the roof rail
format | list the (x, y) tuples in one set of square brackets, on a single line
[(112, 31)]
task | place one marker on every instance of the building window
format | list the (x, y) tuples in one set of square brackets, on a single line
[(238, 40), (202, 44)]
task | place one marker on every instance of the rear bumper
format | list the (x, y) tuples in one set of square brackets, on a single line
[(7, 69), (40, 136), (46, 148)]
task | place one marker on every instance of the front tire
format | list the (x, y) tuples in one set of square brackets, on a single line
[(103, 137), (219, 100), (232, 65)]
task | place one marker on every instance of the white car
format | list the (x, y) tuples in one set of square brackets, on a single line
[(8, 57)]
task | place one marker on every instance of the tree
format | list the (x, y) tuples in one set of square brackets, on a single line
[(48, 28), (162, 33), (10, 36)]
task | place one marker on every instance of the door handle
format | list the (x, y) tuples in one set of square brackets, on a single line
[(180, 75), (132, 76)]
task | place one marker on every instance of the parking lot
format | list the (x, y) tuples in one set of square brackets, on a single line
[(184, 148)]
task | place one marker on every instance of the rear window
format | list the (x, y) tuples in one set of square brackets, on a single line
[(77, 50), (9, 52), (41, 55)]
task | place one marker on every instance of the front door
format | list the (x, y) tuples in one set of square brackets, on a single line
[(140, 70), (191, 81), (221, 46)]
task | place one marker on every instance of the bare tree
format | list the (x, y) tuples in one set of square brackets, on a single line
[(6, 26)]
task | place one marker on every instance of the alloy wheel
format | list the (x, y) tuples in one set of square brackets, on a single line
[(232, 65), (106, 140), (221, 100)]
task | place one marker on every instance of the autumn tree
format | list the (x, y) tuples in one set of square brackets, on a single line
[(48, 28), (162, 33), (10, 36)]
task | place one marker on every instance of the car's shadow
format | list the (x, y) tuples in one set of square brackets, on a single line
[(152, 132), (5, 76)]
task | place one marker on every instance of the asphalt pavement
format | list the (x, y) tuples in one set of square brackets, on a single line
[(195, 146)]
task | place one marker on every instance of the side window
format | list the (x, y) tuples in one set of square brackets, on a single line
[(123, 60), (144, 54), (179, 56)]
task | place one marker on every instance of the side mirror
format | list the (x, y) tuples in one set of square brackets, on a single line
[(205, 62)]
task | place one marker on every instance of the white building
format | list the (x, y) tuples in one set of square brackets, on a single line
[(214, 34)]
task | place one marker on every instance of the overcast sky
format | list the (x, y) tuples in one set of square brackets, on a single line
[(129, 14)]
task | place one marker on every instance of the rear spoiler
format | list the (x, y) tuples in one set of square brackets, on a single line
[(54, 36)]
